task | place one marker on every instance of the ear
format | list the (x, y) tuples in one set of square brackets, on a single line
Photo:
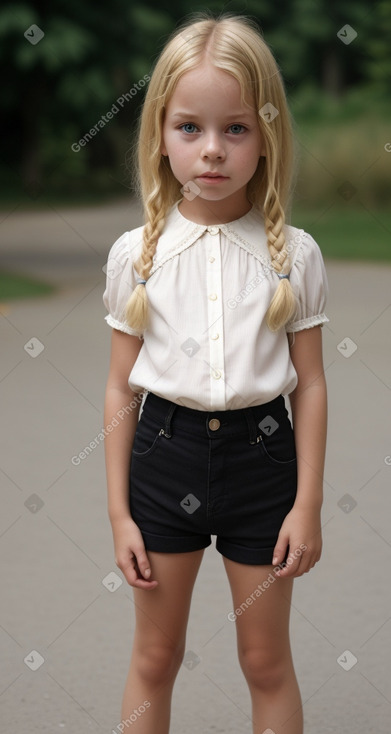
[(163, 149)]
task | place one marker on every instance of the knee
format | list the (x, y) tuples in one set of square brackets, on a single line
[(158, 664), (263, 669)]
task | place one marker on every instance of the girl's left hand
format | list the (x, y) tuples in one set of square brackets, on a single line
[(302, 531)]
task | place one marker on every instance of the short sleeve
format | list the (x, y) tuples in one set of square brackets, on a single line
[(121, 280), (308, 279)]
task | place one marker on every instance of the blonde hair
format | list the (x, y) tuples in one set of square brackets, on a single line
[(234, 44)]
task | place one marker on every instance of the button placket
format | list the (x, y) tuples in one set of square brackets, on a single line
[(215, 318)]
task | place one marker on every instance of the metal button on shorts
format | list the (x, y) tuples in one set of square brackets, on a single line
[(214, 424)]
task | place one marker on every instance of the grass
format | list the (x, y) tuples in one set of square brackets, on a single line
[(351, 234), (20, 286)]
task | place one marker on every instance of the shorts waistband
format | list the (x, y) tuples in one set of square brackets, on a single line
[(213, 423)]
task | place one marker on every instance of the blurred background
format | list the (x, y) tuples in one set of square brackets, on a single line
[(73, 85), (83, 65)]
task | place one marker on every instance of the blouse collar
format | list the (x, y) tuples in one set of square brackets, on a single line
[(179, 216), (249, 228), (248, 232)]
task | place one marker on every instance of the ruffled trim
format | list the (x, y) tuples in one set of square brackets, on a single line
[(121, 326), (194, 235), (317, 320)]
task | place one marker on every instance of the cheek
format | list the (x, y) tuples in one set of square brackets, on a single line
[(180, 154), (170, 137), (179, 162), (246, 164), (250, 159), (176, 148)]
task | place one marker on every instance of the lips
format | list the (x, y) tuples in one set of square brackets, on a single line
[(211, 174), (211, 178)]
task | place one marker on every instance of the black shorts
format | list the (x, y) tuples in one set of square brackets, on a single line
[(195, 473)]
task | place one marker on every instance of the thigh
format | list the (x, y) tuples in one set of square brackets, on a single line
[(261, 608), (162, 613)]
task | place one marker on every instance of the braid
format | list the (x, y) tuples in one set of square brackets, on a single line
[(136, 309), (283, 303), (276, 240)]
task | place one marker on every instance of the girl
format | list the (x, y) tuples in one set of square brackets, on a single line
[(205, 300)]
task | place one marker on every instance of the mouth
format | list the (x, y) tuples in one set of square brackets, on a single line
[(212, 177)]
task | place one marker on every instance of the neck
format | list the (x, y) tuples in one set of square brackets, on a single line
[(205, 212)]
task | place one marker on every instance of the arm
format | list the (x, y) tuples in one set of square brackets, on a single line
[(130, 554), (118, 444), (309, 413)]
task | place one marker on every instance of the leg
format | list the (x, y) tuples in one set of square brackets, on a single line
[(262, 627), (159, 640)]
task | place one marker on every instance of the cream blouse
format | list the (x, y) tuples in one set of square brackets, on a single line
[(207, 345)]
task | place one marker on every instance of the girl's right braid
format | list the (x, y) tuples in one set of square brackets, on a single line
[(136, 312)]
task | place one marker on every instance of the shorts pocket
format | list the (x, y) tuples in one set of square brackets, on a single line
[(146, 439), (278, 446)]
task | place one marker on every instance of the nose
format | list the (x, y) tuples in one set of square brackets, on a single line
[(213, 146)]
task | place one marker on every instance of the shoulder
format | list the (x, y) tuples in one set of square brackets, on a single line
[(127, 246), (308, 279), (301, 246), (121, 278)]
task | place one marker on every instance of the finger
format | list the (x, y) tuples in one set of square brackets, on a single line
[(143, 562), (289, 567), (147, 585), (132, 574), (305, 565), (133, 577), (140, 582), (280, 549), (309, 558)]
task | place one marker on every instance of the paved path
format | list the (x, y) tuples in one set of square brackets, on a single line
[(55, 538)]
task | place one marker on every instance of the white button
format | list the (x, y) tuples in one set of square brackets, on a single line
[(213, 230), (213, 296), (214, 336), (212, 259), (216, 374)]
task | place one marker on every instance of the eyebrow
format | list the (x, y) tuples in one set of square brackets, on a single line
[(233, 115)]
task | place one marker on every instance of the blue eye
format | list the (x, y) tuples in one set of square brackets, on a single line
[(237, 125), (238, 128), (187, 124)]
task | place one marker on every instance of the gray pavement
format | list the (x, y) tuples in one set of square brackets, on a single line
[(65, 636)]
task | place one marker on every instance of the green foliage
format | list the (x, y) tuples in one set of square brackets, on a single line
[(58, 89), (350, 234), (377, 65), (20, 286)]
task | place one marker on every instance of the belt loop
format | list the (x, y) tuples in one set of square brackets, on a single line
[(252, 426), (167, 427)]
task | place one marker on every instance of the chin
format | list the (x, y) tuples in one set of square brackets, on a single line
[(212, 196)]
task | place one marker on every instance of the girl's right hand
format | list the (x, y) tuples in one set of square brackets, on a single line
[(130, 554)]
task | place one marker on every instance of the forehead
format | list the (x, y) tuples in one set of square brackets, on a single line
[(205, 82)]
